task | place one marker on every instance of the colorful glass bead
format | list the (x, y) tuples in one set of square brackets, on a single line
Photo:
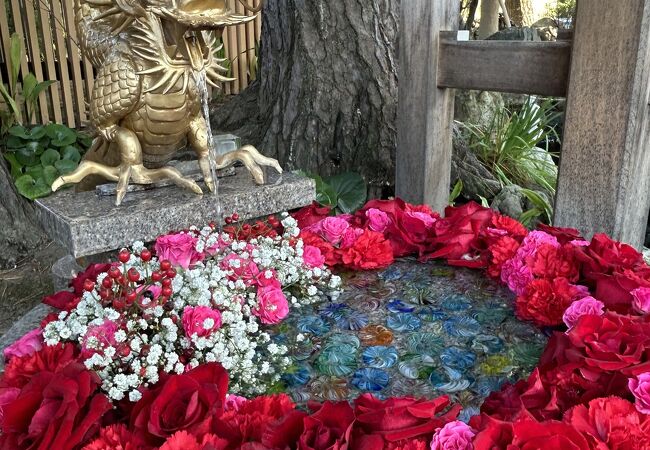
[(370, 379), (375, 335), (379, 356)]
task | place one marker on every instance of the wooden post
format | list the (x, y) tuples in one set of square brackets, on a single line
[(425, 113), (604, 177)]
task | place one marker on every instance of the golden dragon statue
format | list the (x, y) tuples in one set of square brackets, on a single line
[(150, 56)]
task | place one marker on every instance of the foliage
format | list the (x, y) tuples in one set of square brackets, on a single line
[(344, 193), (455, 192), (31, 89), (39, 155), (541, 208), (510, 147), (564, 9)]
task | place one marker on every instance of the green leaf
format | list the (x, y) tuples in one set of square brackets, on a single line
[(351, 191), (15, 53), (15, 166), (50, 173), (71, 153), (40, 87), (484, 202), (13, 107), (29, 83), (325, 195), (84, 140), (458, 188), (60, 135), (35, 172), (32, 189), (35, 147), (15, 142), (27, 156), (49, 157), (34, 134), (65, 166)]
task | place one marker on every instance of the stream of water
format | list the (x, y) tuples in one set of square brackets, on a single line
[(202, 86)]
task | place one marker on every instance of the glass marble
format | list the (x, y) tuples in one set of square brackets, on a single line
[(414, 329)]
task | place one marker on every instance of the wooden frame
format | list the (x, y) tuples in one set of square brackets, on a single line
[(604, 176)]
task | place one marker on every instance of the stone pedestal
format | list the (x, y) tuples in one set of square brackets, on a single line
[(88, 224)]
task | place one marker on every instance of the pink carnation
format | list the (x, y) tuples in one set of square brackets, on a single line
[(517, 275), (103, 335), (179, 249), (350, 237), (333, 229), (641, 300), (200, 320), (234, 402), (640, 387), (26, 345), (272, 305), (312, 256), (584, 306), (453, 436), (378, 220), (533, 241)]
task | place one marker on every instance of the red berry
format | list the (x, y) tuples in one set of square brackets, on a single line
[(143, 371), (165, 265), (228, 220), (171, 273), (107, 282), (145, 255), (105, 294), (235, 217), (246, 227), (89, 285), (121, 280), (133, 274), (124, 256), (125, 351), (156, 276), (114, 272), (166, 282), (119, 304), (131, 296), (167, 292)]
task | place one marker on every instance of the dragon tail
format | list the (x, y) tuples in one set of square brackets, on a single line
[(98, 24)]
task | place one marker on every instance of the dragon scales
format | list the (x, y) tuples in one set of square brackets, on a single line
[(145, 103)]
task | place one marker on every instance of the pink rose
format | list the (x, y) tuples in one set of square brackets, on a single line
[(641, 300), (640, 387), (26, 345), (333, 229), (313, 256), (200, 320), (584, 306), (350, 237), (179, 249), (234, 402), (453, 436), (97, 338), (272, 305), (517, 275), (378, 220)]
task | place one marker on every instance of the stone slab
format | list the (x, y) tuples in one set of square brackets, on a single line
[(87, 224)]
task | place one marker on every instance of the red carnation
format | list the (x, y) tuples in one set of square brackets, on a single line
[(396, 421), (19, 371), (54, 410), (309, 215), (611, 423), (182, 440), (545, 301), (510, 226), (370, 251), (117, 437), (192, 401), (501, 250), (551, 262), (331, 254)]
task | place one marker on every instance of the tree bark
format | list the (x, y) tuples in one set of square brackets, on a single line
[(521, 12), (326, 99), (19, 233), (489, 18)]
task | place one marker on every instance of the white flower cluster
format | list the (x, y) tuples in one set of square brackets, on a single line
[(130, 344)]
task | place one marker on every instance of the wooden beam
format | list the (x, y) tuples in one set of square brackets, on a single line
[(425, 113), (604, 178), (505, 66)]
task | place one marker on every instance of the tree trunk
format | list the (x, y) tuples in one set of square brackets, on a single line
[(19, 233), (326, 99), (489, 18), (521, 12)]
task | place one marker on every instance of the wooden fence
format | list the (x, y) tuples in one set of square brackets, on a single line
[(51, 53)]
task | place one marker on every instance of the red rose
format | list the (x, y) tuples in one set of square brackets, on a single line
[(309, 215), (117, 437), (91, 272), (532, 435), (615, 290), (611, 423), (328, 428), (19, 371), (54, 410), (370, 251), (331, 254), (554, 262), (545, 301), (493, 434), (604, 256), (192, 401), (563, 235), (501, 250), (610, 343), (63, 300), (398, 420), (270, 422)]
